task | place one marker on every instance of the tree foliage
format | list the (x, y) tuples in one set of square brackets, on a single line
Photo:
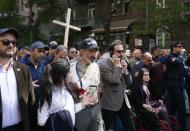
[(50, 9), (8, 17), (157, 16)]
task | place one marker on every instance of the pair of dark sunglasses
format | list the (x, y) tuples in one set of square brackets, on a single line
[(8, 42), (180, 46), (119, 51)]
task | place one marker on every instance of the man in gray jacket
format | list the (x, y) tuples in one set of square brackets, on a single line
[(115, 78)]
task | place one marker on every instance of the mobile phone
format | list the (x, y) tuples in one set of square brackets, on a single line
[(92, 89)]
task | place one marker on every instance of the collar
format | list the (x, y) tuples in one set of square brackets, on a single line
[(7, 65)]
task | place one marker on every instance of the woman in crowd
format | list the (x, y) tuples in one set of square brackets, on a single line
[(56, 108), (148, 111)]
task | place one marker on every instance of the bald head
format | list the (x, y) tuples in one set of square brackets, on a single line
[(147, 58)]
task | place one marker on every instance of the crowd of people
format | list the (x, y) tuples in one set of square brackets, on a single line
[(52, 88)]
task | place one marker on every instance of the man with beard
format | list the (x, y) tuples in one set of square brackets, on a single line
[(115, 79), (35, 61), (37, 66), (86, 74), (16, 94), (61, 53)]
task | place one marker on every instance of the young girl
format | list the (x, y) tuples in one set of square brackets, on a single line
[(56, 110), (148, 111)]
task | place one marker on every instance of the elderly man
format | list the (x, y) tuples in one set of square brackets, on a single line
[(146, 62), (61, 53), (17, 95)]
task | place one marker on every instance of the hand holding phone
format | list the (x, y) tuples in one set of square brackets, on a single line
[(116, 60)]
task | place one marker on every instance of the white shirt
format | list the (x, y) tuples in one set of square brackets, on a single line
[(91, 77), (9, 96), (61, 100)]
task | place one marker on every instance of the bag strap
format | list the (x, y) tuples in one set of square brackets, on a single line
[(78, 75)]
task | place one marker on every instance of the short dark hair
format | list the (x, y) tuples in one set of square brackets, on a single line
[(174, 44), (24, 47), (154, 48), (114, 43)]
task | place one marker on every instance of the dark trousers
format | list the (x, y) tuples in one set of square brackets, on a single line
[(124, 114), (176, 103), (18, 127)]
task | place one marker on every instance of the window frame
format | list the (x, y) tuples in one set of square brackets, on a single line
[(161, 3), (163, 37), (92, 10), (124, 7)]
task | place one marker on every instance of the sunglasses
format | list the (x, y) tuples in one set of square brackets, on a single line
[(119, 51), (179, 46), (73, 52), (8, 42)]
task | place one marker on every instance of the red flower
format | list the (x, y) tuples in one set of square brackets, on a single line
[(81, 91)]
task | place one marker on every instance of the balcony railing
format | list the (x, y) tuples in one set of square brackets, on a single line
[(87, 22)]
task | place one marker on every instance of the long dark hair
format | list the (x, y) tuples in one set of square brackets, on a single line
[(139, 77), (54, 75)]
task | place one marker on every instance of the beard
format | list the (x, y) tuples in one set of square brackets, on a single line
[(92, 59), (6, 54)]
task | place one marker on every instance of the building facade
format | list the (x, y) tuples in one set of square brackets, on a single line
[(138, 23)]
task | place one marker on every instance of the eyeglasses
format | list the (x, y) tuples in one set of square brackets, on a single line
[(179, 46), (73, 52), (119, 51), (8, 42)]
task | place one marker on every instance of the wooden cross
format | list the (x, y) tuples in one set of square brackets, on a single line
[(67, 26)]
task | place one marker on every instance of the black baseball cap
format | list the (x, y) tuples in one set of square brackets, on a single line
[(88, 43), (9, 31)]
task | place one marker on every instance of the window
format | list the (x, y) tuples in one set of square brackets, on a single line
[(161, 3), (91, 9), (187, 6), (138, 42), (125, 6), (115, 7), (163, 37)]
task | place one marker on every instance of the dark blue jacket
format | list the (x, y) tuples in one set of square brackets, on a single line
[(36, 73), (48, 59), (59, 121), (175, 68)]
